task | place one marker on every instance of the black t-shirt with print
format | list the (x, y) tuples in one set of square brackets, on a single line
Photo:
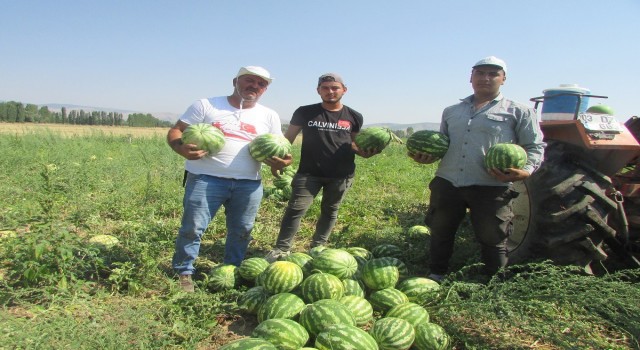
[(326, 140)]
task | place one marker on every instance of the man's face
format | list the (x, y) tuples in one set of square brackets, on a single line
[(487, 79), (250, 87), (331, 91)]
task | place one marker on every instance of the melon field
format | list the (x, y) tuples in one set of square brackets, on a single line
[(63, 286)]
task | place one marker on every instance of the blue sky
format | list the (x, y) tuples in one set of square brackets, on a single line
[(403, 61)]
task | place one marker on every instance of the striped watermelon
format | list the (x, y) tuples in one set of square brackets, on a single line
[(360, 308), (392, 333), (281, 305), (345, 337), (321, 286), (353, 287), (281, 277), (411, 312), (250, 268), (205, 136), (428, 141), (283, 333), (103, 242), (379, 274), (337, 262), (386, 249), (419, 289), (384, 299), (431, 336), (301, 259), (251, 300), (374, 138), (403, 270), (283, 181), (359, 251), (222, 277), (269, 145), (316, 250), (249, 344), (322, 313), (290, 171), (418, 230), (505, 155)]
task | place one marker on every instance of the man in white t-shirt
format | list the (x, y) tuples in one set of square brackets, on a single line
[(229, 178)]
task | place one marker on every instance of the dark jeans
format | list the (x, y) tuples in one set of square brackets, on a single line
[(304, 189), (491, 214)]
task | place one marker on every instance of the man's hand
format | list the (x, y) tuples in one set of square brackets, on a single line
[(188, 151), (509, 174), (423, 158), (277, 164)]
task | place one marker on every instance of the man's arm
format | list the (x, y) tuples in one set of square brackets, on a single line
[(174, 139)]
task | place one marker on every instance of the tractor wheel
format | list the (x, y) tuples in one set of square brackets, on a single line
[(561, 213)]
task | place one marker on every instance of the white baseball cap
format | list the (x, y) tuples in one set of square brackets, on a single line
[(492, 61), (257, 71)]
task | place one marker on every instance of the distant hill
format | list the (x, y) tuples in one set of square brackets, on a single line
[(416, 126)]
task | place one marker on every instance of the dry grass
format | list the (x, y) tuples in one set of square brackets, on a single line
[(79, 130)]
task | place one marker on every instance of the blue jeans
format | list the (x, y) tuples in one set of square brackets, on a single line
[(304, 189), (203, 197)]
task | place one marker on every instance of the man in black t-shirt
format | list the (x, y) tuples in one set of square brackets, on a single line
[(327, 162)]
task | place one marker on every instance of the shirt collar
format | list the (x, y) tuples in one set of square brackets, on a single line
[(469, 99)]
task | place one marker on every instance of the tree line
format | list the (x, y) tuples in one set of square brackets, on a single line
[(17, 112)]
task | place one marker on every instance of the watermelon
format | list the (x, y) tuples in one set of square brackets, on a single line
[(301, 259), (250, 268), (431, 336), (249, 344), (322, 313), (222, 277), (419, 289), (205, 136), (601, 109), (379, 274), (281, 277), (290, 171), (359, 251), (428, 141), (269, 145), (316, 250), (103, 242), (283, 181), (321, 286), (418, 230), (384, 299), (386, 249), (505, 155), (392, 333), (283, 333), (353, 287), (251, 300), (337, 262), (375, 138), (411, 312), (344, 337), (403, 270), (281, 305), (360, 308)]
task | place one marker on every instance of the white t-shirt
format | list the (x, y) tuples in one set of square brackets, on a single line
[(239, 128)]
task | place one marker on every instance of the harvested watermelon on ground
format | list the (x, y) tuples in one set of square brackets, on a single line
[(393, 333), (360, 308), (428, 141), (431, 336), (321, 286), (269, 145), (505, 155), (375, 138), (384, 299), (205, 136), (249, 344), (103, 242), (285, 334), (222, 277), (250, 268), (280, 277), (315, 317), (379, 274), (281, 305), (251, 300), (411, 312), (337, 262), (345, 337)]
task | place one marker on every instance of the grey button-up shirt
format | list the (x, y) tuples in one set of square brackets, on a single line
[(472, 133)]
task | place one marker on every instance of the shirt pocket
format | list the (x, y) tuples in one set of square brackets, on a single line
[(495, 124)]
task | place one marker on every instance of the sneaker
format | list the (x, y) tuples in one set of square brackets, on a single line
[(186, 284), (276, 254), (436, 277)]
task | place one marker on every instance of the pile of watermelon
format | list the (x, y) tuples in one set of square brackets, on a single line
[(281, 188), (330, 298)]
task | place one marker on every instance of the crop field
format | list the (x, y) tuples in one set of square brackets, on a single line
[(60, 187)]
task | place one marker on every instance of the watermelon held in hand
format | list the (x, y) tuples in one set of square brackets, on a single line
[(205, 136), (375, 138), (505, 155), (428, 141), (269, 145)]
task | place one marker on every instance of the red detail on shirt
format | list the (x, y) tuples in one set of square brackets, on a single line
[(240, 130), (344, 124)]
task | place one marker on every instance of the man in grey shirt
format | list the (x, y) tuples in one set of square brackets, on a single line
[(462, 182)]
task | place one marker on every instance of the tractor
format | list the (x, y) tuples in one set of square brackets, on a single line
[(582, 206)]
